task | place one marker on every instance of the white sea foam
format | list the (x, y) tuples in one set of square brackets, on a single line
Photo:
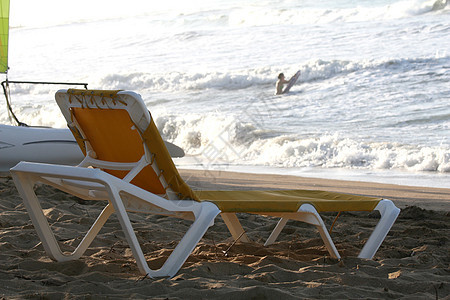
[(188, 81), (220, 140)]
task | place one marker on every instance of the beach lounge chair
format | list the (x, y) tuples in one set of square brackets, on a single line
[(127, 165)]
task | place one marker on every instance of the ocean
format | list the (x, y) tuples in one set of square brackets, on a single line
[(371, 103)]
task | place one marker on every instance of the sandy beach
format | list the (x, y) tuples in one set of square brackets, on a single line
[(412, 263)]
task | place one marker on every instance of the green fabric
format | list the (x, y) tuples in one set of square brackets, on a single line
[(155, 144), (286, 201), (4, 32)]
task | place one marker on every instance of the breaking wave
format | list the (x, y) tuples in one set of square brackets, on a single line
[(235, 80), (215, 138), (218, 140)]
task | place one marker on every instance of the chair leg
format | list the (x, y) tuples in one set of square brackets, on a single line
[(204, 219), (25, 184), (308, 214), (175, 261), (329, 244), (93, 231), (276, 232), (389, 213), (235, 227)]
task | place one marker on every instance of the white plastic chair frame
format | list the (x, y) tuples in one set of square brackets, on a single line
[(94, 184)]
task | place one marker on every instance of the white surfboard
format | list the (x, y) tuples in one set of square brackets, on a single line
[(46, 145), (291, 83)]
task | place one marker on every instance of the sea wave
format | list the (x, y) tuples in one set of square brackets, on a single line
[(188, 81), (234, 80), (34, 114), (220, 14), (214, 139), (303, 14), (312, 70)]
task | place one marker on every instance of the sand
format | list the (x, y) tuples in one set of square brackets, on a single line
[(412, 263)]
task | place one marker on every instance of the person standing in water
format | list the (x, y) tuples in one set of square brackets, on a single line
[(280, 83)]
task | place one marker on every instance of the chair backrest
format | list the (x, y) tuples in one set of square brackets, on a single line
[(115, 127)]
